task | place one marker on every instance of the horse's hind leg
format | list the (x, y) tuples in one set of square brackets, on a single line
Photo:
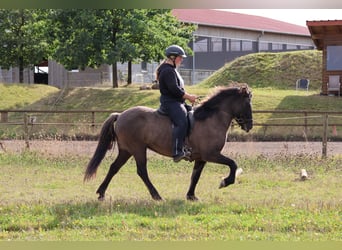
[(142, 172), (196, 173), (120, 160)]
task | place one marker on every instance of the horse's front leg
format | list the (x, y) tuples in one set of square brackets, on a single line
[(230, 179), (221, 159), (196, 173)]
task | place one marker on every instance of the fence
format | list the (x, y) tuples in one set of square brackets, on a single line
[(308, 119), (88, 121)]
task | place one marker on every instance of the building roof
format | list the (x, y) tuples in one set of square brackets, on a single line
[(320, 30), (227, 19)]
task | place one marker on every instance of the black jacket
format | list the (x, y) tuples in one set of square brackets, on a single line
[(169, 84)]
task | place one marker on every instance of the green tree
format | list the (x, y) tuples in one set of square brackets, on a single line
[(93, 37), (87, 37), (150, 32), (22, 40)]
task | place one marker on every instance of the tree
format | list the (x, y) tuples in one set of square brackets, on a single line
[(87, 37), (149, 32), (22, 40), (94, 37)]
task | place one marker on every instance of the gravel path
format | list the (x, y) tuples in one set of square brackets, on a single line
[(87, 148)]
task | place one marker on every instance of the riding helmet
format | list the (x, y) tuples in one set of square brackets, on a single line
[(175, 50)]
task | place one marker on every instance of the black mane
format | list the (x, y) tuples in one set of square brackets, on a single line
[(211, 106)]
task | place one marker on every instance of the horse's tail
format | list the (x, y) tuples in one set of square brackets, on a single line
[(106, 141)]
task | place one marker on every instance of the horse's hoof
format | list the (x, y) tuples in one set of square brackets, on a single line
[(222, 184), (101, 197), (226, 183), (157, 198), (191, 198)]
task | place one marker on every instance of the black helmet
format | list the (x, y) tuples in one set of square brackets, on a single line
[(174, 50)]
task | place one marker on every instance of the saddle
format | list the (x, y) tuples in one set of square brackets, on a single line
[(190, 116), (191, 122)]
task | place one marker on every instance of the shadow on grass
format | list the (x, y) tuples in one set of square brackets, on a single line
[(93, 214), (142, 208)]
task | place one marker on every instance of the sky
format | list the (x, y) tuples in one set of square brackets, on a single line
[(294, 16)]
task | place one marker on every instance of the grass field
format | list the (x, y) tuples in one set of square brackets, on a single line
[(44, 198)]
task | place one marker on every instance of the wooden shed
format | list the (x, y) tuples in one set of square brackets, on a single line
[(327, 36)]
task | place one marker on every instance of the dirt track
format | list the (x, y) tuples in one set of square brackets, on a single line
[(87, 148)]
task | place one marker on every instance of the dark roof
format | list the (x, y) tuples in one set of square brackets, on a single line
[(239, 21), (321, 30)]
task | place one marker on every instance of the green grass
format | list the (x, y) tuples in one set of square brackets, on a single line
[(15, 96), (45, 198), (125, 97)]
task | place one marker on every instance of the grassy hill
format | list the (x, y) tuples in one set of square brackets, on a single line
[(15, 96), (275, 70)]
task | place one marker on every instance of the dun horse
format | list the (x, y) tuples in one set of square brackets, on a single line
[(140, 128)]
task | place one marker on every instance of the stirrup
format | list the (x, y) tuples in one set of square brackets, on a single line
[(182, 156)]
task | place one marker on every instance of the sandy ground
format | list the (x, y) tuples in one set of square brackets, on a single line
[(87, 148)]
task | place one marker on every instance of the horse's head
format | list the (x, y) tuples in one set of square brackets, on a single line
[(234, 100), (243, 109)]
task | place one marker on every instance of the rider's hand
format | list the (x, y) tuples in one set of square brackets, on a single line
[(190, 97)]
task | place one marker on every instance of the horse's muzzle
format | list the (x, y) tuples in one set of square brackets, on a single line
[(245, 124), (245, 128)]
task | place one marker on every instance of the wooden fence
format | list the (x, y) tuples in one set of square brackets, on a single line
[(94, 118)]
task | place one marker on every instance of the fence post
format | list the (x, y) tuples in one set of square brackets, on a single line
[(306, 123), (93, 121), (325, 135), (4, 117), (26, 130)]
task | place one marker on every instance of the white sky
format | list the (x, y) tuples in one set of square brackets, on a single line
[(295, 16)]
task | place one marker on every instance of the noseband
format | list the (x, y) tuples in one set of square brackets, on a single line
[(242, 120)]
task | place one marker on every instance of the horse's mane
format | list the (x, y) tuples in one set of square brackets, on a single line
[(211, 106)]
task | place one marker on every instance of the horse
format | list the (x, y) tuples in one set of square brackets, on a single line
[(140, 128)]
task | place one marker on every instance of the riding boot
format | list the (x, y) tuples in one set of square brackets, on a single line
[(177, 147)]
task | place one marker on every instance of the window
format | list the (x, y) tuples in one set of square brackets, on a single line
[(304, 47), (277, 46), (216, 44), (201, 45), (143, 66), (334, 58), (235, 45), (247, 45), (291, 47), (263, 46)]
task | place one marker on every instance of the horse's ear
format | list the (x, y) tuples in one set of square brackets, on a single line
[(244, 90)]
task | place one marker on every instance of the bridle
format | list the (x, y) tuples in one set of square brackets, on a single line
[(242, 120)]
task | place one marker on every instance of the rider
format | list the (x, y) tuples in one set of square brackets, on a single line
[(173, 96)]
